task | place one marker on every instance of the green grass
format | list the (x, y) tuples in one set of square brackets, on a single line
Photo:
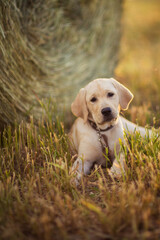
[(38, 200)]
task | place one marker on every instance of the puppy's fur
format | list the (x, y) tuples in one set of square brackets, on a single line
[(100, 103)]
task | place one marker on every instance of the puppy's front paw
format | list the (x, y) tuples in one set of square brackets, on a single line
[(75, 180), (116, 171)]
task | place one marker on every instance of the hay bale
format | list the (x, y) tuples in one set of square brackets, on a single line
[(52, 48)]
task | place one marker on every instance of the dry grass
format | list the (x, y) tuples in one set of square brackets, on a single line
[(37, 199), (51, 48)]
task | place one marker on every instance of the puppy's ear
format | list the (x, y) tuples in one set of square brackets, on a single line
[(125, 96), (79, 106)]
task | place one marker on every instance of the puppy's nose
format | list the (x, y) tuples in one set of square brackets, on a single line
[(106, 111)]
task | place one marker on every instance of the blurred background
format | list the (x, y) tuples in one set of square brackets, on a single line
[(49, 49), (139, 59)]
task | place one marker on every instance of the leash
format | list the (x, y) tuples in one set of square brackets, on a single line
[(103, 140), (100, 137)]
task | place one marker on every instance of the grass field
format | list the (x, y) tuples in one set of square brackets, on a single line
[(37, 199)]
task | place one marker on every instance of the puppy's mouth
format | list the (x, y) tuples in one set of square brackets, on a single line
[(108, 120)]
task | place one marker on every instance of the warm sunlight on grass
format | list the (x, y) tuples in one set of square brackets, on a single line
[(38, 200), (139, 66)]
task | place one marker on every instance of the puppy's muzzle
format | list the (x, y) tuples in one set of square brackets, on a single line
[(107, 114)]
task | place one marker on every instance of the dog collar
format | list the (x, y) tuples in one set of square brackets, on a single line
[(93, 124)]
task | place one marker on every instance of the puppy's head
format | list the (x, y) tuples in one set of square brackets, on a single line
[(101, 101)]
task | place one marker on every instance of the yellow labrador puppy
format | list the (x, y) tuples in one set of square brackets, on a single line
[(99, 127)]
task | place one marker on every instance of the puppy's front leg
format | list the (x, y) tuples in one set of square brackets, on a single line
[(87, 156), (82, 166)]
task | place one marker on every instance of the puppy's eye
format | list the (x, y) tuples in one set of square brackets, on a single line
[(93, 99), (110, 94)]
